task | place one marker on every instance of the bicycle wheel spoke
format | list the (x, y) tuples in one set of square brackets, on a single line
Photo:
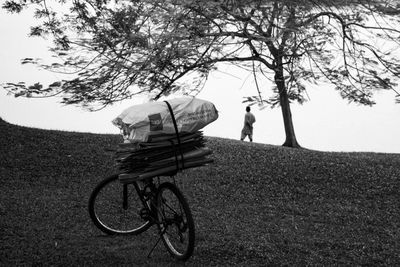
[(171, 209)]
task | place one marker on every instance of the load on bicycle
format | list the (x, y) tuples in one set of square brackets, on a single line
[(163, 137), (160, 139)]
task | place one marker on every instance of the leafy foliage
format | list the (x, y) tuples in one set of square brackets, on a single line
[(121, 49)]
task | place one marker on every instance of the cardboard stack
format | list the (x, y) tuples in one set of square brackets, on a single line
[(149, 159), (159, 151)]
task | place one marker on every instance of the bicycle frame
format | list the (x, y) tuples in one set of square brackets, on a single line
[(147, 198)]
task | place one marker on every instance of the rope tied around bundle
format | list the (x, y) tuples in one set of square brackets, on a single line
[(178, 139)]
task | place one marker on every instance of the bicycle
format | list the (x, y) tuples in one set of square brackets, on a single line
[(132, 208), (142, 202)]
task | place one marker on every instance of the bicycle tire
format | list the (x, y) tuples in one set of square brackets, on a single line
[(107, 212), (173, 214)]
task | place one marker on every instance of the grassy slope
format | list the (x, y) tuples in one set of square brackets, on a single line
[(257, 204)]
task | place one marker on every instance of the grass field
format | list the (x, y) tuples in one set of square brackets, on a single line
[(256, 205)]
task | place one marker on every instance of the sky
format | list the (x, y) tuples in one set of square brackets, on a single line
[(326, 122)]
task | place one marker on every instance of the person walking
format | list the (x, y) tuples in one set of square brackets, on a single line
[(247, 130)]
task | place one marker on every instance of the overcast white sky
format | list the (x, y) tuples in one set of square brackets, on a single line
[(325, 123)]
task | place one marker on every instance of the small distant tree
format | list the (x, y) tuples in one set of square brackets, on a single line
[(119, 49)]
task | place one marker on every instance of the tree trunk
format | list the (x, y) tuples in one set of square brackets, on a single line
[(285, 107)]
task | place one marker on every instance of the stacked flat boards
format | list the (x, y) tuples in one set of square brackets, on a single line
[(160, 151)]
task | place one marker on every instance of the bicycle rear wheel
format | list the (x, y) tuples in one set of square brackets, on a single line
[(115, 208), (175, 221)]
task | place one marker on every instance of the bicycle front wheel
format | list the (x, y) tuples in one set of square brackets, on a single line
[(115, 208), (175, 221)]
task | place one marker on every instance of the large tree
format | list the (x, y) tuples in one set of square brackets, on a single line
[(118, 49)]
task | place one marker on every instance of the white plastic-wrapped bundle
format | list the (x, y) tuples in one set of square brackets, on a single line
[(140, 122)]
